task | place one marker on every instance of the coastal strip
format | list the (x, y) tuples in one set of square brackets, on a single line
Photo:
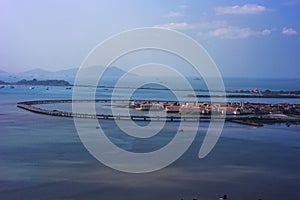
[(254, 93), (245, 96)]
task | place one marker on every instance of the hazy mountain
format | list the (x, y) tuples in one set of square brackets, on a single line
[(67, 74), (35, 73), (109, 72), (5, 76), (2, 72)]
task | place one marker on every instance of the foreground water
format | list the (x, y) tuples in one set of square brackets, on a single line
[(42, 157)]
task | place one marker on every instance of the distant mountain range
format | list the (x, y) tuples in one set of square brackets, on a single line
[(67, 75)]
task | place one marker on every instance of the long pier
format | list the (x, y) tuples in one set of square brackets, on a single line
[(251, 120)]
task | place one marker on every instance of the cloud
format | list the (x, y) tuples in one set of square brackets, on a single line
[(232, 32), (217, 29), (176, 26), (289, 31), (183, 7), (245, 9), (173, 14), (189, 26), (291, 3), (266, 32)]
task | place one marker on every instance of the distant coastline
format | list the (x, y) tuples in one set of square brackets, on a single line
[(270, 96), (244, 94)]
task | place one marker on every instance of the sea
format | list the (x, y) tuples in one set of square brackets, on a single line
[(42, 157)]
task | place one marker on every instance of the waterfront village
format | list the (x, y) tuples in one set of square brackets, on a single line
[(230, 108)]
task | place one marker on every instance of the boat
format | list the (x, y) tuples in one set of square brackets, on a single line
[(172, 109), (150, 106)]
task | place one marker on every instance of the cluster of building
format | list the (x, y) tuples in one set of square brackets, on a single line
[(281, 108), (230, 108)]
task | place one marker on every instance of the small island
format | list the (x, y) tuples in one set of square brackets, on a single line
[(35, 82)]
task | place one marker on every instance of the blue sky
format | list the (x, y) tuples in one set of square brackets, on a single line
[(244, 38)]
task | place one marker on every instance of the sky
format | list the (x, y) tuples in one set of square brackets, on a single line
[(244, 38)]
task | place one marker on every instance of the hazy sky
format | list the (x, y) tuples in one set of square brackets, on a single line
[(245, 38)]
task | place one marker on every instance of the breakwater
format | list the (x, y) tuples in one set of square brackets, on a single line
[(252, 120), (30, 106)]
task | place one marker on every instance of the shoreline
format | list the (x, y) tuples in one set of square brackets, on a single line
[(255, 93), (248, 96)]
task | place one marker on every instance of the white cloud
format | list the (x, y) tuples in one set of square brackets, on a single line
[(266, 32), (237, 33), (188, 26), (289, 31), (245, 9), (173, 14), (176, 26), (183, 7), (218, 29)]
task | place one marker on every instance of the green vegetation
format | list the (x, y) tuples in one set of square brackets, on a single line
[(39, 82)]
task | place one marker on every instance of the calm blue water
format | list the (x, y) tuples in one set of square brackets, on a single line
[(42, 157), (230, 83)]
